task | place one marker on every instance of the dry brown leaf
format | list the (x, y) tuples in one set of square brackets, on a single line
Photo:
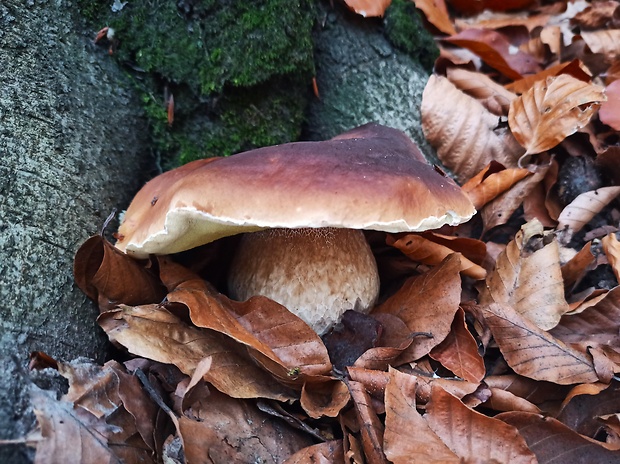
[(427, 303), (611, 247), (552, 110), (573, 68), (422, 250), (495, 49), (609, 113), (369, 8), (598, 15), (185, 346), (436, 13), (575, 269), (499, 210), (468, 7), (494, 97), (549, 439), (605, 42), (473, 436), (583, 208), (223, 429), (371, 428), (536, 392), (325, 399), (110, 277), (459, 351), (493, 185), (597, 326), (329, 452), (395, 338), (534, 353), (278, 340), (502, 400), (465, 134), (401, 417), (528, 277)]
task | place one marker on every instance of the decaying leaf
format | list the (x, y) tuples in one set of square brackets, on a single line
[(609, 113), (552, 110), (368, 8), (611, 247), (437, 14), (493, 96), (491, 182)]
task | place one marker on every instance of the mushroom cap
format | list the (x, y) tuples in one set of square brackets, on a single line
[(372, 177)]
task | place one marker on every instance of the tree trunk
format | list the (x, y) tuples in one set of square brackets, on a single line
[(72, 147)]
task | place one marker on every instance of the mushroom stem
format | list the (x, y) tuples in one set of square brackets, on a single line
[(317, 274)]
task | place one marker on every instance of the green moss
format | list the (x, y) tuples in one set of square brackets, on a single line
[(239, 71), (405, 29)]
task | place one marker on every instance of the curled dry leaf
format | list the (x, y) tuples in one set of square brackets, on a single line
[(110, 277), (401, 417), (534, 353), (465, 134), (427, 303), (574, 68), (369, 8), (583, 208), (494, 97), (527, 276), (185, 346), (419, 248), (575, 269), (551, 110), (473, 436), (611, 247), (502, 400), (495, 50), (459, 351), (605, 42), (548, 438), (325, 399), (491, 182)]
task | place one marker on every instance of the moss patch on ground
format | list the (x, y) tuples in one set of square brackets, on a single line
[(239, 72)]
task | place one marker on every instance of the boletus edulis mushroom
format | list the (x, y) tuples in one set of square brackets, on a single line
[(302, 208)]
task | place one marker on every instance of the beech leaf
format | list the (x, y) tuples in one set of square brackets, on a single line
[(582, 209), (552, 110)]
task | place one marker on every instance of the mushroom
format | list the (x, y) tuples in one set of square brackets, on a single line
[(302, 207)]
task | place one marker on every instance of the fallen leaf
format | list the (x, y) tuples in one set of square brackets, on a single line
[(427, 303), (552, 110), (575, 269), (419, 248), (495, 49), (494, 97), (110, 277), (473, 436), (224, 429), (609, 113), (329, 452), (582, 209), (534, 353), (573, 68), (502, 400), (528, 277), (465, 134), (611, 247), (185, 346), (550, 440), (324, 399), (401, 417), (491, 182), (436, 13), (371, 429), (459, 351)]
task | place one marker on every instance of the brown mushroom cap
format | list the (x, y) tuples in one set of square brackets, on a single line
[(372, 177)]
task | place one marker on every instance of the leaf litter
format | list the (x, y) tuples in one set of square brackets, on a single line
[(494, 341)]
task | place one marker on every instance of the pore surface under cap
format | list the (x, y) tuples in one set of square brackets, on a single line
[(372, 177)]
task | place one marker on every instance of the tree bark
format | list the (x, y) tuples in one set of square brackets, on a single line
[(72, 147)]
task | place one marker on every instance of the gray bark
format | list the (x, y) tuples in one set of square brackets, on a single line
[(72, 141), (362, 78)]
